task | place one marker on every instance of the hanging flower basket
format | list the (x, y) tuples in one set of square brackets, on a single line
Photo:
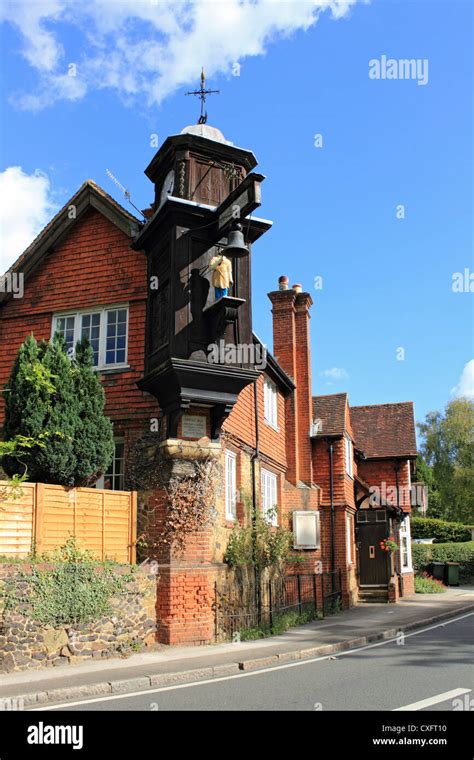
[(389, 545)]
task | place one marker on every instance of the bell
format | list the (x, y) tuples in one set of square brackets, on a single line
[(236, 247)]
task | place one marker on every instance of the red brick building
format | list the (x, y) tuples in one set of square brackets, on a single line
[(339, 475)]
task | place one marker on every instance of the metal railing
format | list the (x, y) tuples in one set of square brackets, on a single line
[(251, 604)]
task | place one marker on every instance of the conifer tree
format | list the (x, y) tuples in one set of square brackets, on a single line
[(55, 428), (56, 462), (27, 403), (94, 440)]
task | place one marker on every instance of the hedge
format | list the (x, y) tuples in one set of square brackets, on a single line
[(441, 530), (463, 553)]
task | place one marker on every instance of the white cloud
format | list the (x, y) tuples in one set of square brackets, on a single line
[(26, 207), (149, 48), (335, 373), (465, 387)]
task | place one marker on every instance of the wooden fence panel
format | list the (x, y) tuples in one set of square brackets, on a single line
[(16, 520), (46, 515)]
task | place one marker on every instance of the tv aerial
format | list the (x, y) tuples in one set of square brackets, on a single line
[(125, 192)]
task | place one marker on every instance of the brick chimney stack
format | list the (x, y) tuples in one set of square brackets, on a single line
[(291, 346), (303, 303)]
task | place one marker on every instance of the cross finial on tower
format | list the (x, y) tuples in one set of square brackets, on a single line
[(202, 93)]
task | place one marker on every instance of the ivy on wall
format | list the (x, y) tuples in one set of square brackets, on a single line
[(187, 492)]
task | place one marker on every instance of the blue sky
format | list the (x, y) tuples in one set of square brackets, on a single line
[(387, 282)]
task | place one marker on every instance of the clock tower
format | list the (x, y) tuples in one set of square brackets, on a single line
[(205, 192)]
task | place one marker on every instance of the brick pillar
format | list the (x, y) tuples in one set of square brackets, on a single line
[(303, 380), (185, 588), (284, 349)]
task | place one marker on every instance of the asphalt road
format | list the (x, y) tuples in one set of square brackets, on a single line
[(434, 664)]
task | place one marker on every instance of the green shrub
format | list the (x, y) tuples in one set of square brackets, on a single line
[(424, 554), (65, 588), (425, 584), (441, 530), (252, 634), (55, 429), (258, 544), (281, 622), (421, 556)]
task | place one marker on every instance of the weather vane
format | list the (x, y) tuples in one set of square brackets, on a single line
[(202, 96)]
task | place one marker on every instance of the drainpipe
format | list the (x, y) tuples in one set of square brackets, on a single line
[(255, 456), (399, 572), (331, 499)]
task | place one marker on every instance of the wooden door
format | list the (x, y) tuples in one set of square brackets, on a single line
[(372, 528)]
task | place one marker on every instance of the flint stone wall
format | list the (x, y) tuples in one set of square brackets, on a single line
[(25, 644)]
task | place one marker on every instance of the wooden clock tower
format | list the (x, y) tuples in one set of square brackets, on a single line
[(204, 185)]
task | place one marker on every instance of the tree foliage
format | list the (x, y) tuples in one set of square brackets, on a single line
[(55, 429), (448, 451)]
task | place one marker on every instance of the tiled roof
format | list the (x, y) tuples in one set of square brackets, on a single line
[(89, 184), (385, 430), (331, 410)]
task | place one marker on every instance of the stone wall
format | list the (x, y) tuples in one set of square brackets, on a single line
[(130, 625)]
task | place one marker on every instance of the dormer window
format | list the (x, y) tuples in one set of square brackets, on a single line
[(107, 331), (349, 456)]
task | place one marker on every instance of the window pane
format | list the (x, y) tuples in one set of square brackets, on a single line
[(110, 348), (230, 485), (114, 477), (116, 336), (269, 496), (270, 400), (65, 326), (91, 330)]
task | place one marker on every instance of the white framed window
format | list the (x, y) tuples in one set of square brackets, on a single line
[(230, 485), (349, 537), (405, 546), (269, 483), (113, 479), (349, 456), (107, 331), (270, 402)]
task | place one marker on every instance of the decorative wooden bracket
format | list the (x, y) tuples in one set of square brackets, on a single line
[(221, 314), (219, 414)]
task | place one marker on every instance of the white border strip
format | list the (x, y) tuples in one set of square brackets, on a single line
[(433, 700)]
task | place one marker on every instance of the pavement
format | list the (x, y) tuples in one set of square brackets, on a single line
[(179, 665)]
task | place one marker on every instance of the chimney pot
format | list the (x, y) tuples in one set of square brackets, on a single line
[(283, 282), (297, 288)]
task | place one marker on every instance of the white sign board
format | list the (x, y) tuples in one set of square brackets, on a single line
[(306, 530)]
